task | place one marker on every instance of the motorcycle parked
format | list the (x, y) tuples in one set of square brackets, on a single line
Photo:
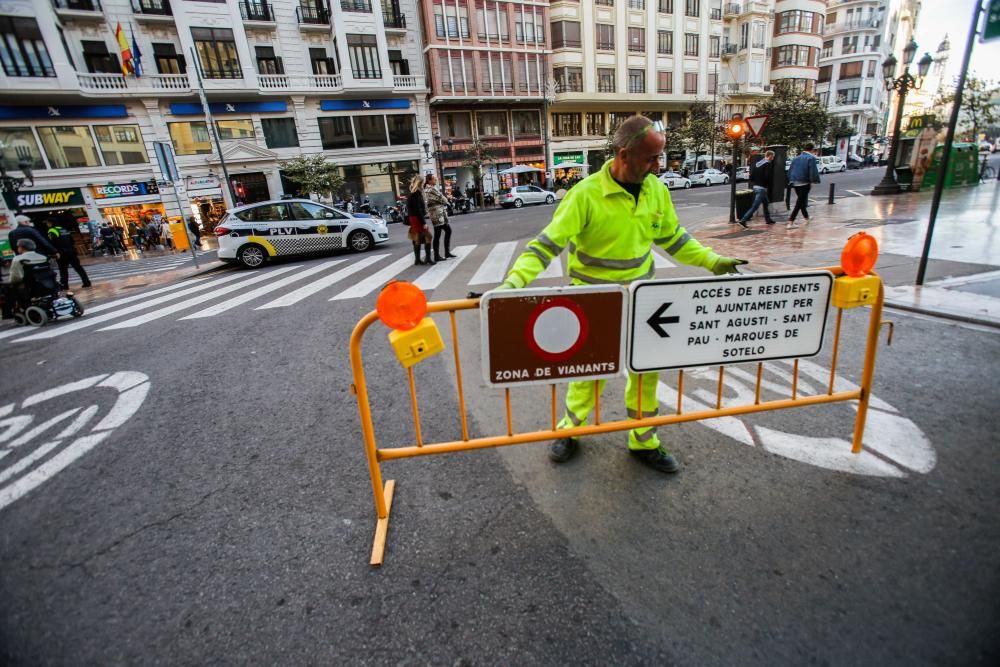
[(460, 204)]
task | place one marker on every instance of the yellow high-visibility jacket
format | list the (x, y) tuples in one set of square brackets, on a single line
[(609, 236)]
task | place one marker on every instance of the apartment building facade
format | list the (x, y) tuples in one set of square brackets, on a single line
[(858, 36), (488, 66), (798, 41), (612, 59), (282, 79)]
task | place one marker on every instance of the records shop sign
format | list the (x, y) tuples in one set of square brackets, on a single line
[(116, 190)]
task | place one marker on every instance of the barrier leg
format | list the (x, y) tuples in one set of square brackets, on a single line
[(382, 525), (868, 374)]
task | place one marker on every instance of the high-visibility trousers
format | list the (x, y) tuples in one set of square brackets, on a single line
[(581, 396)]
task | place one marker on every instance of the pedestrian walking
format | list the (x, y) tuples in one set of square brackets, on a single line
[(610, 222), (108, 240), (416, 213), (135, 234), (119, 238), (761, 176), (26, 230), (166, 235), (95, 236), (152, 233), (437, 211), (195, 231), (62, 240), (802, 173)]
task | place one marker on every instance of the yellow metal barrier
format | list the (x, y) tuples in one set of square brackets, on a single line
[(384, 491)]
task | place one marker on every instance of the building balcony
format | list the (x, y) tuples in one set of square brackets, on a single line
[(408, 82), (715, 14), (729, 50), (394, 21), (313, 17), (257, 14), (745, 88), (153, 11), (850, 26), (299, 82), (117, 84), (757, 8), (731, 10), (79, 10)]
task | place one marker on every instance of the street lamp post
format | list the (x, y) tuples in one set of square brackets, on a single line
[(905, 83), (437, 155)]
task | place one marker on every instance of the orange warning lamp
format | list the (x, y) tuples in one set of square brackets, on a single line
[(734, 129), (859, 255), (401, 305)]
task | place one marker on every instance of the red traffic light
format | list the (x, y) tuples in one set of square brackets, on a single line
[(239, 189)]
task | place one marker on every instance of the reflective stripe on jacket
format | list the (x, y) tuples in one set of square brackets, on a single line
[(609, 236)]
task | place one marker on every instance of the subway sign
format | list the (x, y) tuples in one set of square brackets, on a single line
[(113, 190), (44, 198)]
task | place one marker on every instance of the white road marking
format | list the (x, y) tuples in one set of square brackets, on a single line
[(130, 299), (260, 291), (25, 462), (553, 270), (79, 385), (494, 268), (45, 471), (194, 301), (661, 262), (435, 275), (375, 280), (855, 193), (321, 284), (91, 321), (42, 428), (78, 423)]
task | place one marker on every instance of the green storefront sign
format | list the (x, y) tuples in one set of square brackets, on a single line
[(991, 27), (28, 199), (559, 158)]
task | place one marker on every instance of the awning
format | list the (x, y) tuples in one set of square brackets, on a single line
[(521, 169), (571, 165)]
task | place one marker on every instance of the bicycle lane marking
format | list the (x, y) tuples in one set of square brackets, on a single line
[(15, 480)]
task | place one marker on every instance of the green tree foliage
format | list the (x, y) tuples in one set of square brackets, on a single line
[(476, 157), (699, 128), (313, 174), (794, 118), (839, 127), (979, 109)]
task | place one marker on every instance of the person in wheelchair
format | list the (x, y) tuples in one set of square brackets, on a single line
[(34, 291)]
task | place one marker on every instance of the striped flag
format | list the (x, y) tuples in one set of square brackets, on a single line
[(136, 53), (127, 62)]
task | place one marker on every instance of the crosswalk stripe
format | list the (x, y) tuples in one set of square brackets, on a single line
[(201, 298), (124, 274), (435, 275), (553, 270), (308, 290), (369, 284), (260, 291), (494, 268), (89, 320), (129, 299), (661, 262)]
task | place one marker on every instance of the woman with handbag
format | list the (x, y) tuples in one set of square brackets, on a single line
[(416, 214), (437, 208)]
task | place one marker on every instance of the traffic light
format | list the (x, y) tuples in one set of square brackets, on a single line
[(240, 191), (735, 129)]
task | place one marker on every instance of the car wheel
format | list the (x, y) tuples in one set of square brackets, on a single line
[(35, 316), (77, 308), (843, 169), (708, 182), (687, 185), (251, 256), (549, 199), (518, 203), (725, 180), (360, 240)]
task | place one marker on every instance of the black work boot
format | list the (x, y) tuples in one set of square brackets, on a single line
[(563, 449), (427, 247), (657, 459)]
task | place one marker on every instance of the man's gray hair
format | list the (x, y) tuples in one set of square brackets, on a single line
[(26, 244), (629, 131)]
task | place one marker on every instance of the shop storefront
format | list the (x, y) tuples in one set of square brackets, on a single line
[(382, 182), (207, 203), (57, 206), (125, 204), (675, 160)]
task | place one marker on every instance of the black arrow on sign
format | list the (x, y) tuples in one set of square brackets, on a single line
[(657, 320)]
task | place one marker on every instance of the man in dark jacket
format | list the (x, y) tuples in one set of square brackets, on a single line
[(62, 239), (25, 230), (109, 239), (761, 175)]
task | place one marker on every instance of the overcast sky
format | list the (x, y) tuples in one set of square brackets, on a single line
[(954, 17)]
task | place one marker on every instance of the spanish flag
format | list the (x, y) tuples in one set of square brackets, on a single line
[(127, 64)]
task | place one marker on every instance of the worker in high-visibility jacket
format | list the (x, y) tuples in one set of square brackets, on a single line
[(609, 222)]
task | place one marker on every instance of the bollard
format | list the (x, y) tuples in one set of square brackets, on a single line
[(830, 200)]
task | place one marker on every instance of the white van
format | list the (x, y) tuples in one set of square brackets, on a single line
[(829, 163)]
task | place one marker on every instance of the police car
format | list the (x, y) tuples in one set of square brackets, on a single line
[(254, 233)]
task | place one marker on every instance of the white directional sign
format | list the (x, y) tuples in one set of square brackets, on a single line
[(728, 320)]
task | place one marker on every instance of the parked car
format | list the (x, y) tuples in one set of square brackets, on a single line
[(985, 147), (831, 163), (742, 174), (672, 179), (708, 177), (255, 233), (525, 194), (855, 161)]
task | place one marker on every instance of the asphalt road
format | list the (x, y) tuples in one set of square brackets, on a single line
[(219, 509)]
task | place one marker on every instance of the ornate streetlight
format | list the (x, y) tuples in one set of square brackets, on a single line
[(905, 83), (437, 155)]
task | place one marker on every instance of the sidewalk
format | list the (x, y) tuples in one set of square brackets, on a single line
[(962, 280)]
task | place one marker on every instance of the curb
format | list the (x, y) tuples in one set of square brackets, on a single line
[(968, 319)]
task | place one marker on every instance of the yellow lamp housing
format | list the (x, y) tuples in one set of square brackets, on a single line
[(850, 292), (414, 345)]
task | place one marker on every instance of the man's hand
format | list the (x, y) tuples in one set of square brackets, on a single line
[(727, 265)]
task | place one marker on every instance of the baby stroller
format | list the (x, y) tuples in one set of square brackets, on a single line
[(40, 299)]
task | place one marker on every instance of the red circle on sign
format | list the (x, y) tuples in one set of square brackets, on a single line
[(547, 307)]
